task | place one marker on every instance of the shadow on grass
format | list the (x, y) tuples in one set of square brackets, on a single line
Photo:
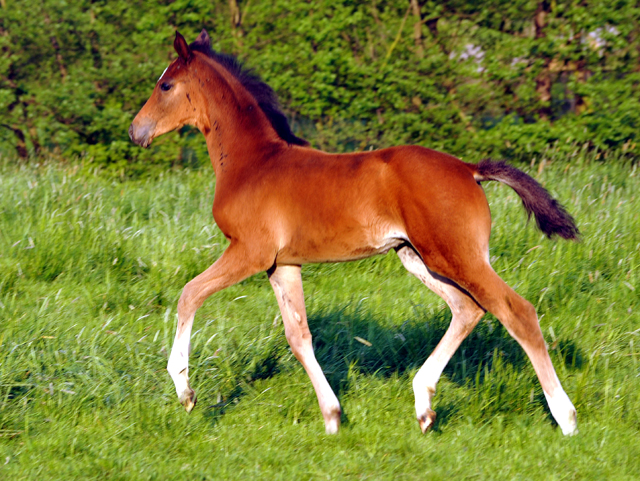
[(346, 341), (488, 360), (240, 370)]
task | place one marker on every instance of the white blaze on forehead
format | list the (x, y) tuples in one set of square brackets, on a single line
[(162, 75)]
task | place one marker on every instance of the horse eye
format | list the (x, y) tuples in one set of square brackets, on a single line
[(164, 86)]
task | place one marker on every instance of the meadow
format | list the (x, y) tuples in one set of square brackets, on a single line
[(91, 269)]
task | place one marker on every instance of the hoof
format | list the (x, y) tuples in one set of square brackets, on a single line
[(427, 420), (563, 411), (188, 399), (571, 426), (332, 425)]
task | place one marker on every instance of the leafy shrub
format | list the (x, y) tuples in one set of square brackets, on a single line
[(504, 79)]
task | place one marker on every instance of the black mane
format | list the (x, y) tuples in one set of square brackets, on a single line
[(263, 93)]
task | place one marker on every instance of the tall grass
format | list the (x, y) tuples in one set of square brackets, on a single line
[(90, 273)]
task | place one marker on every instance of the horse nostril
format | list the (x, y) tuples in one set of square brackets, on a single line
[(141, 132)]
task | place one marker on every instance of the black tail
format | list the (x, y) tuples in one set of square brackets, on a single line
[(550, 215)]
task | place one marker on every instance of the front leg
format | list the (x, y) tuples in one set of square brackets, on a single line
[(233, 266), (287, 285)]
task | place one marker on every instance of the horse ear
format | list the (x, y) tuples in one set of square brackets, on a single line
[(204, 39), (183, 50)]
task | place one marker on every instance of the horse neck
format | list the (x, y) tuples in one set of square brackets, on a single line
[(235, 127)]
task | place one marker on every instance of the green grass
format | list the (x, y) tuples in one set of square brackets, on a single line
[(90, 274)]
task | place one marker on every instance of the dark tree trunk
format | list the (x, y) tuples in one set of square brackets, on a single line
[(543, 80)]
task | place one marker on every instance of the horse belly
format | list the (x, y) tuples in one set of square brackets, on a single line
[(340, 247)]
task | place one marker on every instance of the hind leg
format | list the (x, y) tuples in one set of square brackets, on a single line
[(466, 314), (519, 317)]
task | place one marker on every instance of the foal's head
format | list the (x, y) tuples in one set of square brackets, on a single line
[(202, 86), (172, 103)]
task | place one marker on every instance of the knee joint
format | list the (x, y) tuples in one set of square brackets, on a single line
[(185, 303), (297, 340)]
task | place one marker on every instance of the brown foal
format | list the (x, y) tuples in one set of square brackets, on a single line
[(282, 204)]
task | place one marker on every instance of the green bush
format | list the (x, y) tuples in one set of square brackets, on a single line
[(503, 79)]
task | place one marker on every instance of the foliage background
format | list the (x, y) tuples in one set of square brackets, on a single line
[(499, 78)]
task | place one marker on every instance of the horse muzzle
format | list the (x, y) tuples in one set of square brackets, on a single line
[(141, 132)]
